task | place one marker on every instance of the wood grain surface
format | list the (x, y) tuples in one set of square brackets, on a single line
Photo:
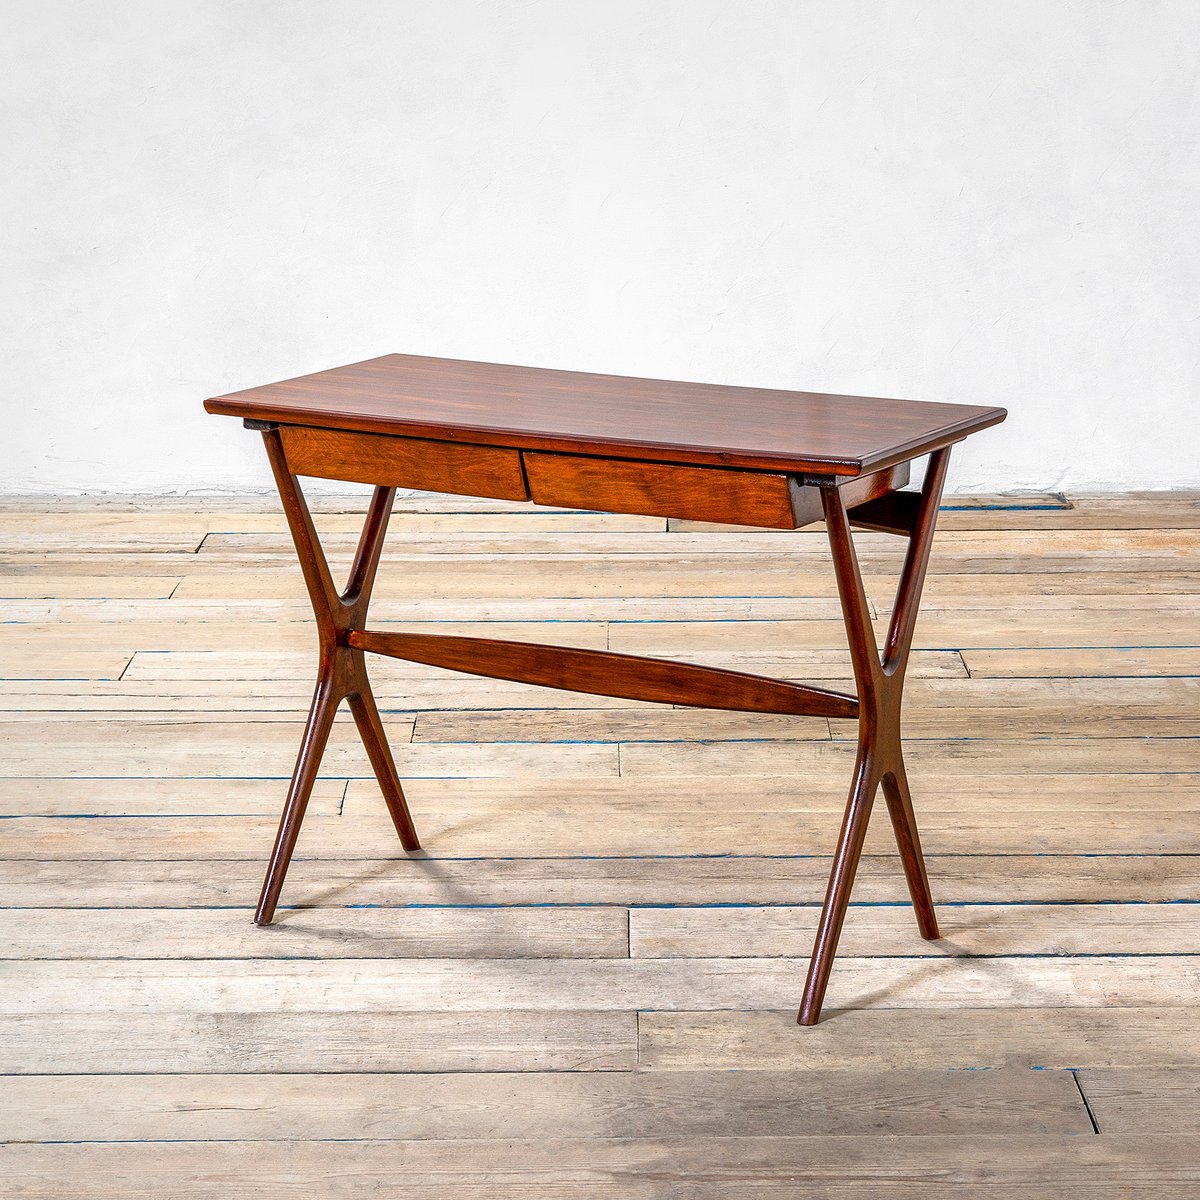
[(574, 412), (585, 984)]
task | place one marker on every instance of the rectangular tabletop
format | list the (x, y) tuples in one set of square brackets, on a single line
[(650, 419)]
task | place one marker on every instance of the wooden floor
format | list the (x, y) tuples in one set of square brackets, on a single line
[(586, 985)]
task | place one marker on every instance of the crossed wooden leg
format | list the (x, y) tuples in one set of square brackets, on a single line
[(880, 760), (341, 670), (342, 675)]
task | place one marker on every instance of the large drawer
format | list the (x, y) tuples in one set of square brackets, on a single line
[(661, 489), (727, 497), (419, 463)]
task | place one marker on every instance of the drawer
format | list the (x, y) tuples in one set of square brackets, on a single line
[(713, 494), (419, 463), (662, 489)]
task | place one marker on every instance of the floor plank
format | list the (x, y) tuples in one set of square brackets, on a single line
[(967, 930), (463, 932), (299, 1108), (23, 797), (591, 985), (466, 931), (208, 749), (110, 880), (1016, 756), (345, 1040), (1108, 662), (998, 1168), (495, 824), (1137, 1099), (966, 1038)]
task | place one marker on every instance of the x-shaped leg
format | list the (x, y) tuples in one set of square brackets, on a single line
[(341, 669), (880, 759)]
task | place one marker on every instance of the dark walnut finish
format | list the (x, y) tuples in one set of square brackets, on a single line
[(341, 668), (761, 498), (605, 673), (418, 463), (733, 455), (528, 408)]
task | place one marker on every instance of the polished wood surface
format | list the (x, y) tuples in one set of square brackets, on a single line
[(601, 673), (880, 757), (341, 669), (733, 497), (758, 498), (599, 950), (574, 412), (397, 462)]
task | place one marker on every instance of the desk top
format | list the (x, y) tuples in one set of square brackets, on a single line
[(611, 415)]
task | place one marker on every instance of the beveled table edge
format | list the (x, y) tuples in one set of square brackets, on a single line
[(236, 404)]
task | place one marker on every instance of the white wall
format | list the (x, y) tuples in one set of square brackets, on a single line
[(942, 199)]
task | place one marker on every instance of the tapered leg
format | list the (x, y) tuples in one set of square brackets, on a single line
[(308, 762), (342, 672), (899, 802), (880, 684), (837, 895), (370, 729)]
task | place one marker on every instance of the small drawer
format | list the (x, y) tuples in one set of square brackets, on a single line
[(419, 463), (661, 489)]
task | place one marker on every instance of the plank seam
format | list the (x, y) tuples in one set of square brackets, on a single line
[(1086, 1103)]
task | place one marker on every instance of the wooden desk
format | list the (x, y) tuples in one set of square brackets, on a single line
[(745, 456)]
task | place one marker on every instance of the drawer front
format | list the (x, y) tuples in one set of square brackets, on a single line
[(661, 489), (427, 466)]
